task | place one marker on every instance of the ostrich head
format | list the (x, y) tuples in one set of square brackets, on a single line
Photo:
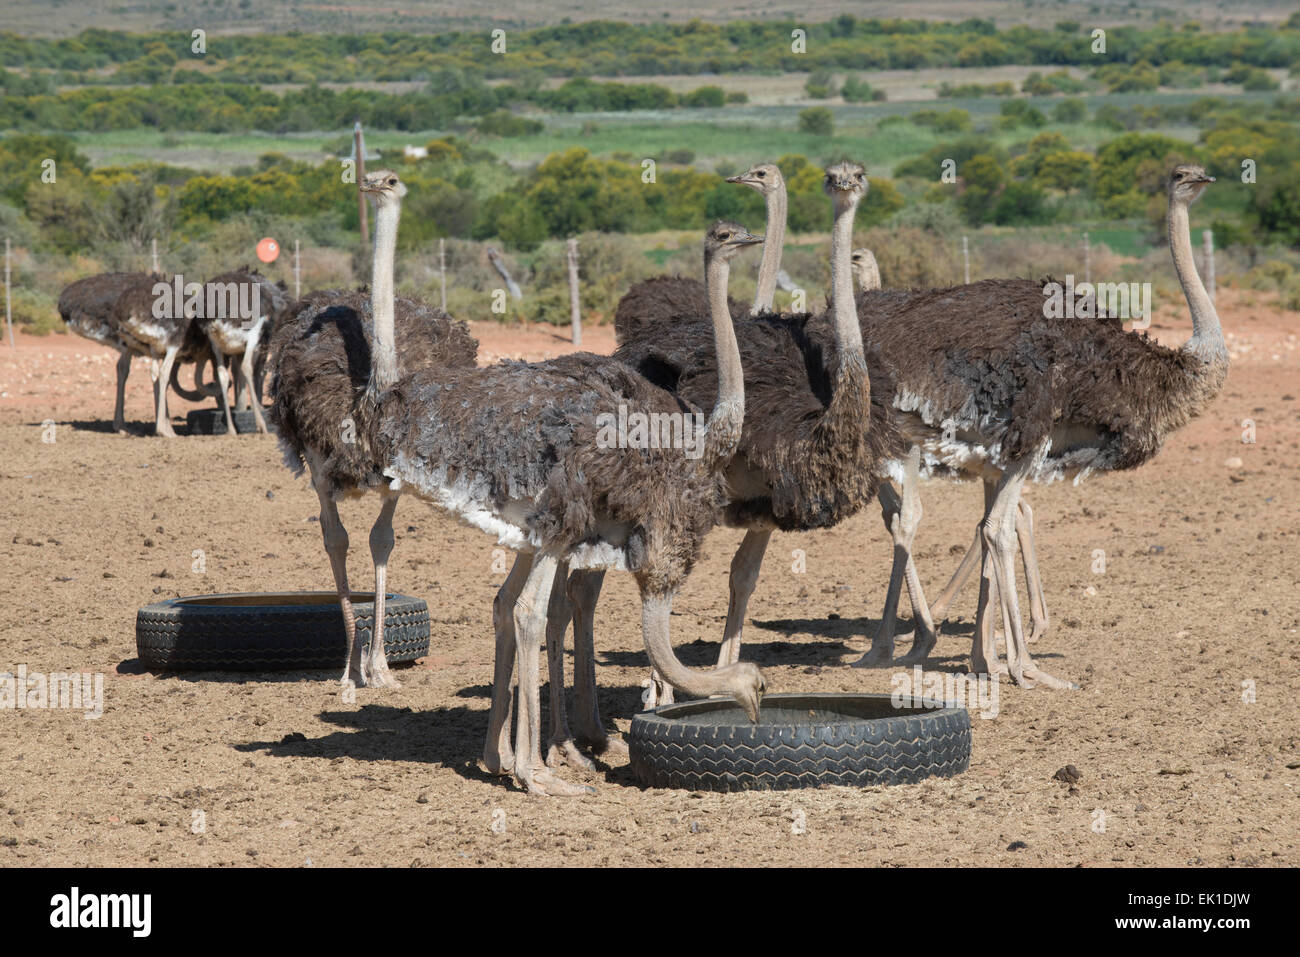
[(1187, 182), (861, 257), (765, 178), (383, 187), (726, 240), (845, 180)]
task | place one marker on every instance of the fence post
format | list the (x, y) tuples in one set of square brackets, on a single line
[(965, 255), (1087, 259), (9, 312), (297, 272), (153, 243), (575, 308), (359, 148), (1208, 236), (442, 269)]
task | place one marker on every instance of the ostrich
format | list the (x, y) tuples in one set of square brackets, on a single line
[(998, 389), (818, 429), (864, 264), (529, 452), (332, 359), (239, 337), (117, 310), (677, 297)]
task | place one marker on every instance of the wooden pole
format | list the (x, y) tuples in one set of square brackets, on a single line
[(1208, 236), (297, 272), (575, 308), (154, 257), (442, 269), (359, 145), (9, 312), (1087, 259), (965, 255)]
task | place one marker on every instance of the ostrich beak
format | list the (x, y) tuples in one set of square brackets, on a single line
[(1206, 179), (746, 240), (742, 178)]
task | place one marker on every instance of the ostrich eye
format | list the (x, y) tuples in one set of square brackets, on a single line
[(392, 181), (760, 174)]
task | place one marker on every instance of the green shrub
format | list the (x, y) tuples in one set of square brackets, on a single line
[(817, 121)]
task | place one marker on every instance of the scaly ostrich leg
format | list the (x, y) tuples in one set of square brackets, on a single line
[(376, 670), (223, 378), (498, 752), (530, 624), (246, 364), (584, 590), (998, 534), (336, 546), (562, 748), (744, 576), (1038, 620), (901, 517), (163, 425), (119, 407)]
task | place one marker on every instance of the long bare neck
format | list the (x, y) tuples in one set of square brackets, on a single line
[(700, 683), (848, 333), (1207, 335), (727, 418), (383, 354), (772, 247)]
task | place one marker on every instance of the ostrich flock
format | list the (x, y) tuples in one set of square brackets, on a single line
[(791, 421)]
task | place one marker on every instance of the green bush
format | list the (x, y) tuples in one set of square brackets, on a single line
[(817, 121)]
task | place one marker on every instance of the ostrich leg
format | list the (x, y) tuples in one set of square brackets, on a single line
[(223, 377), (744, 576), (584, 590), (246, 374), (901, 517), (530, 624), (1038, 620), (162, 424), (336, 546), (119, 407), (376, 671), (562, 749), (498, 753), (998, 535)]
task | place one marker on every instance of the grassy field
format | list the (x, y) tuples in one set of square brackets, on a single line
[(63, 17)]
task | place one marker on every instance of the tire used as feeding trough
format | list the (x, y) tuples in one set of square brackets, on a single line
[(801, 740), (213, 421), (272, 631)]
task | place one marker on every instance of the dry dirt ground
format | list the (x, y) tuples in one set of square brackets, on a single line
[(1196, 606)]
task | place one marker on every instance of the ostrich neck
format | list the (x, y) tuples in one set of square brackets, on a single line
[(726, 420), (1207, 334), (773, 243), (383, 355), (698, 683), (848, 332)]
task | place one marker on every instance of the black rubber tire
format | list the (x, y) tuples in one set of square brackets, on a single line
[(213, 421), (867, 742), (272, 631)]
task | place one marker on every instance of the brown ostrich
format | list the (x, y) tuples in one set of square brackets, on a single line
[(118, 310), (528, 452), (668, 298), (996, 389), (238, 338), (331, 361), (817, 433)]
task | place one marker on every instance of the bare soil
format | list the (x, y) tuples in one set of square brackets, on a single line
[(1197, 605)]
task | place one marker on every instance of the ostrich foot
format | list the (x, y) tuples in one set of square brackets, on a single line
[(166, 431), (880, 656), (1032, 676), (499, 761), (566, 752), (543, 782), (921, 647), (657, 692), (378, 675), (602, 743)]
